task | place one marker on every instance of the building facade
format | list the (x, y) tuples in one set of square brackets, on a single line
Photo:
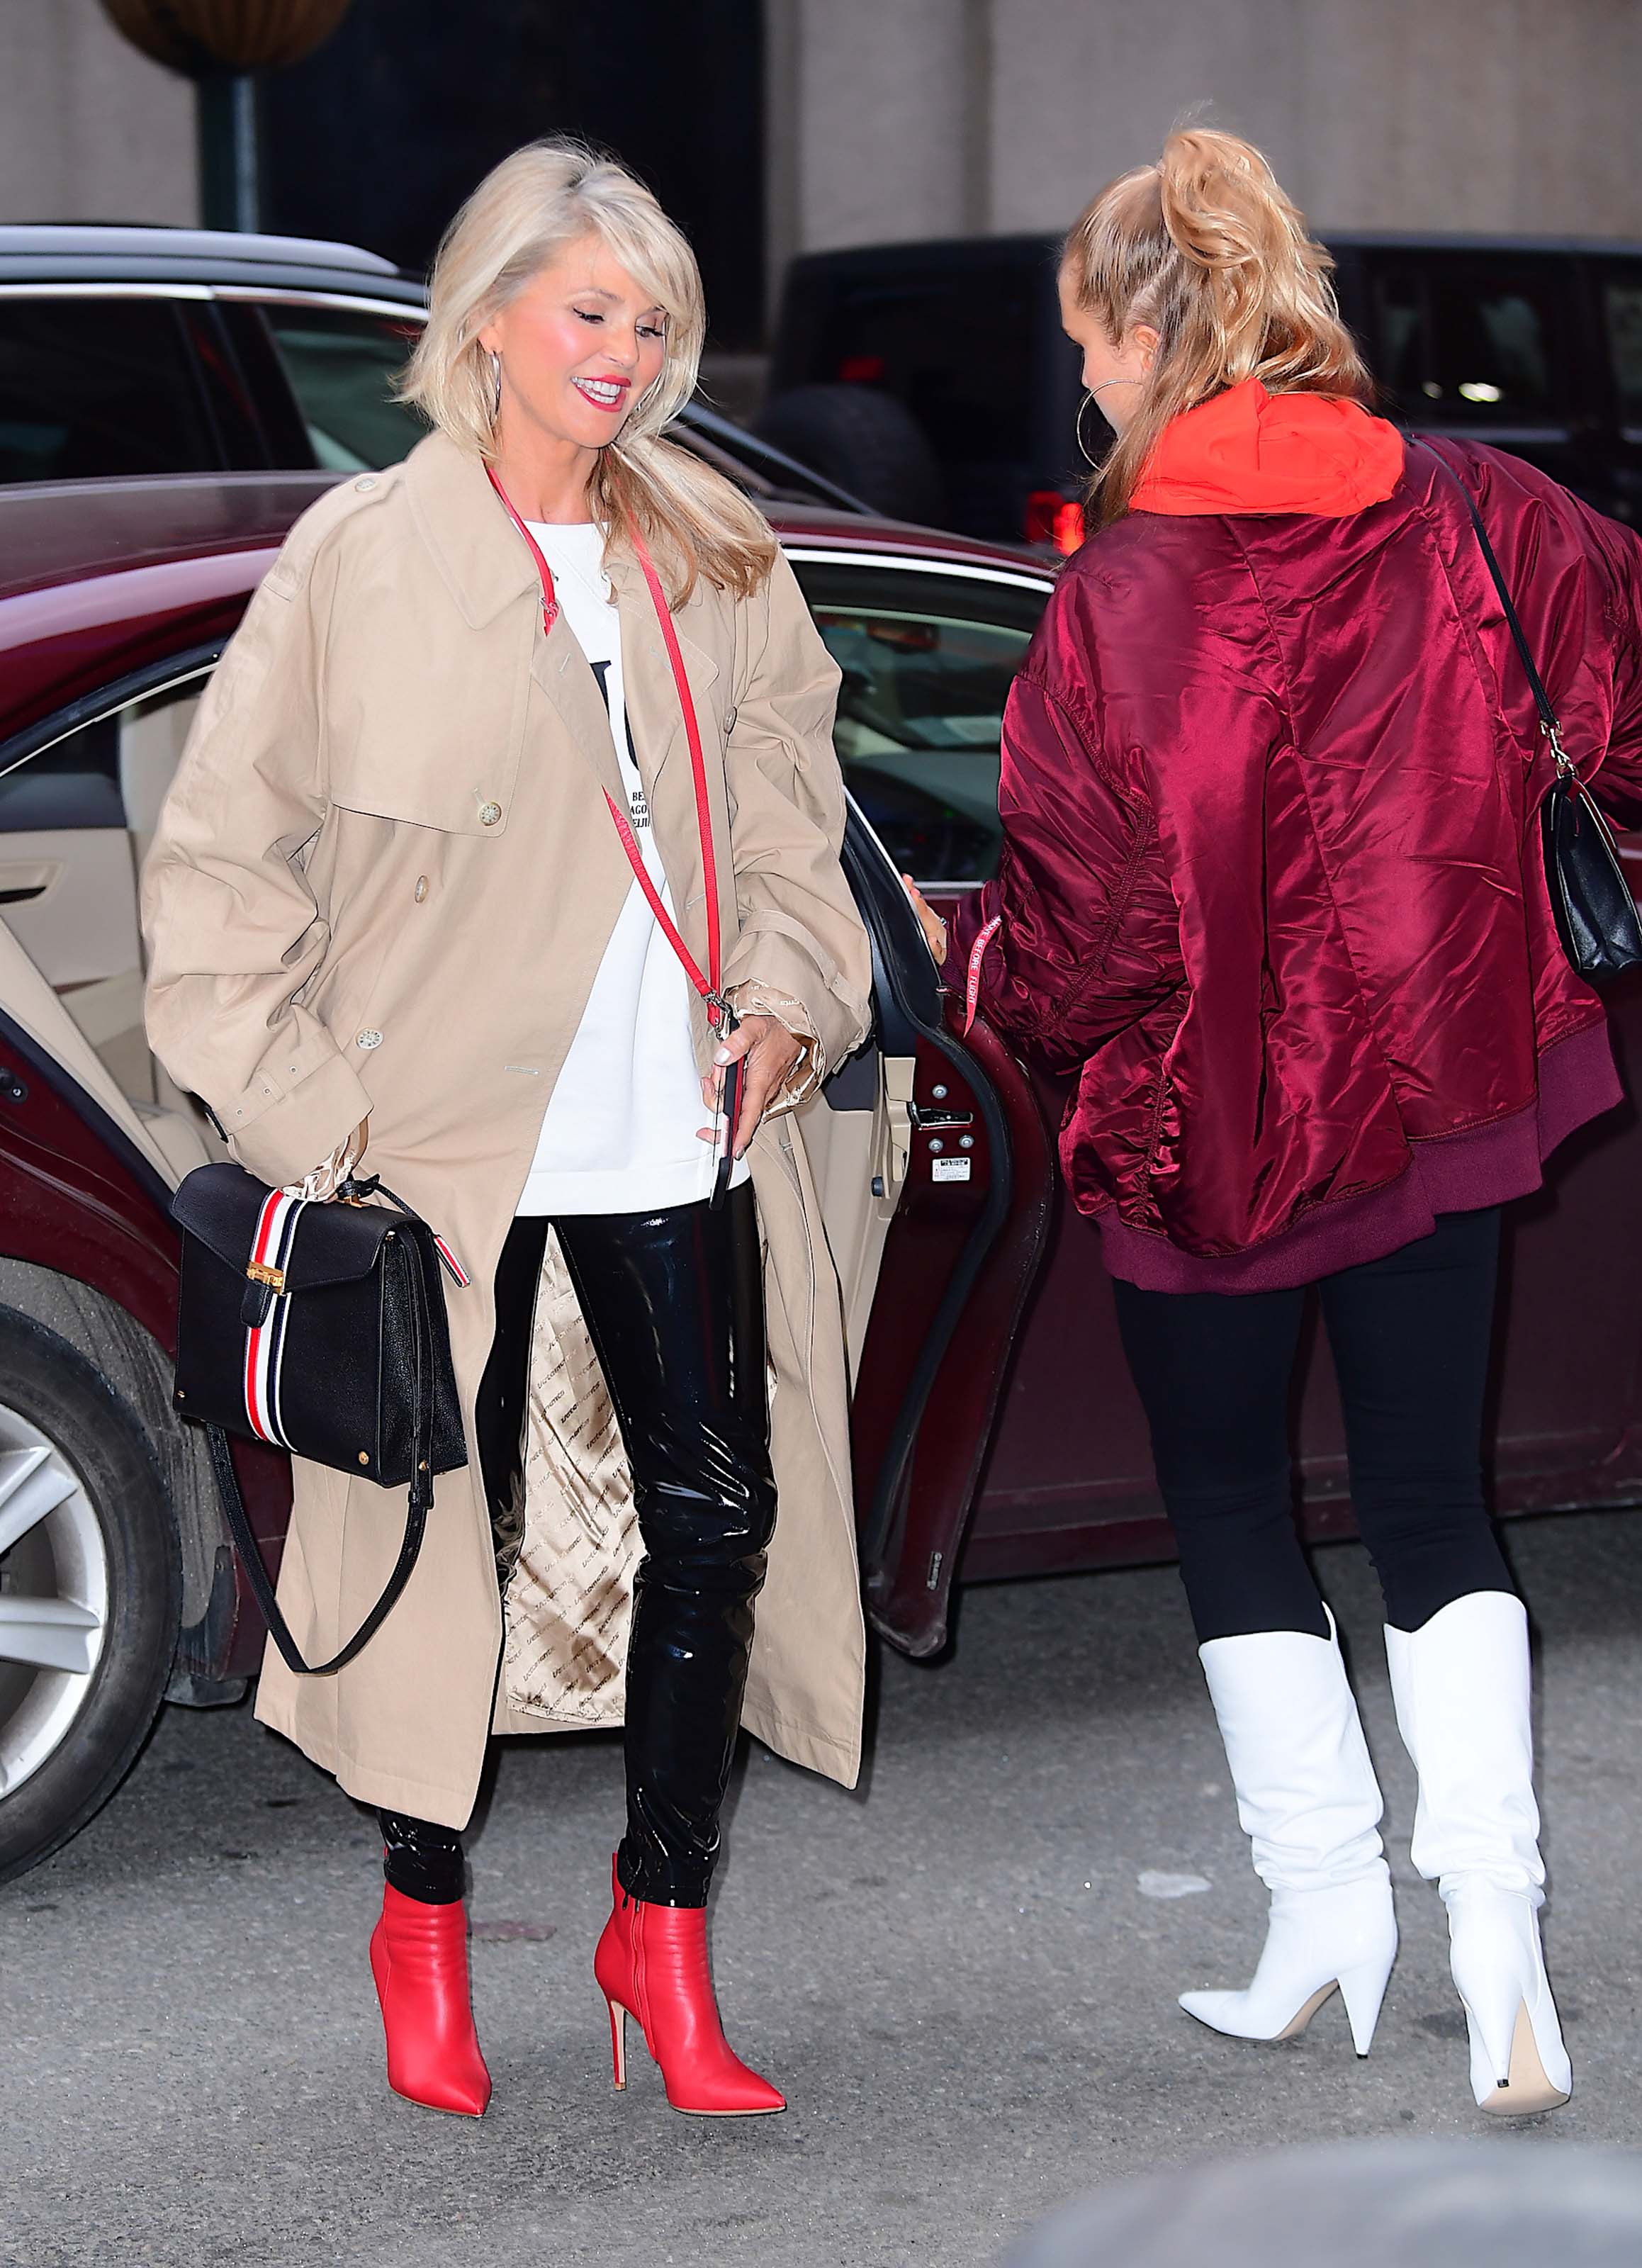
[(882, 119), (899, 119)]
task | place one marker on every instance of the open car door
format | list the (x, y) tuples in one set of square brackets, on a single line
[(936, 1174)]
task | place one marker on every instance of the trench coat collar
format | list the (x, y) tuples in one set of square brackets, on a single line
[(486, 565), (484, 561)]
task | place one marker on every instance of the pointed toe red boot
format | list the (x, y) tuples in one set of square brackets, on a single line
[(419, 1960), (652, 1963)]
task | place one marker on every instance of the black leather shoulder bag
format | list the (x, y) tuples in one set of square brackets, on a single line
[(320, 1329), (1590, 898)]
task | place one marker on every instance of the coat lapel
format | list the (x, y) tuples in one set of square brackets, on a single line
[(487, 566), (561, 669)]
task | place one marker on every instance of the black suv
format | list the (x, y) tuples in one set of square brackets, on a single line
[(129, 350), (934, 379)]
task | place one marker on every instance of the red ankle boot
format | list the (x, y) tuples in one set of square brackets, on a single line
[(419, 1960), (652, 1963)]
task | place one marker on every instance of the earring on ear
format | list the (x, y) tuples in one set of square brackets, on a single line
[(1093, 462), (496, 386)]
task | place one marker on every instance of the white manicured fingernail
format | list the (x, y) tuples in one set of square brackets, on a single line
[(723, 1056)]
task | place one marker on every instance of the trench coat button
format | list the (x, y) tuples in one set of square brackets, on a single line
[(729, 719), (369, 1040), (489, 814), (369, 481), (422, 888)]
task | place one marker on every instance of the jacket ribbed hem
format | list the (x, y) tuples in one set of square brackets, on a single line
[(1451, 1172)]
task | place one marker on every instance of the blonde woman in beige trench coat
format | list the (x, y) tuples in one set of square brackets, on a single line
[(391, 925)]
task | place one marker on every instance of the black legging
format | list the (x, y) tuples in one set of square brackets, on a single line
[(673, 1304), (1410, 1336)]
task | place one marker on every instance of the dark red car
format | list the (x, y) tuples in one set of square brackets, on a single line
[(996, 1431)]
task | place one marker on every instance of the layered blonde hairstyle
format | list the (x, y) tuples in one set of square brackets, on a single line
[(1206, 248), (526, 211)]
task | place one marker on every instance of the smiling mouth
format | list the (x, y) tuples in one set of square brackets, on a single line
[(603, 393)]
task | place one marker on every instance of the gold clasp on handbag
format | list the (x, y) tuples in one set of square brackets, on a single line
[(259, 1272)]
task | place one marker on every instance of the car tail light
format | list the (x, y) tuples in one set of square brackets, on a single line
[(861, 370), (1052, 517)]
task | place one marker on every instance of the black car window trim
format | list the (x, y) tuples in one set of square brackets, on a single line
[(107, 701)]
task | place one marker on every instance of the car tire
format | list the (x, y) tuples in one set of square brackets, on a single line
[(68, 1735), (865, 440)]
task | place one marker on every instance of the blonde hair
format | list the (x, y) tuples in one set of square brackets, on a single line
[(529, 208), (1205, 247)]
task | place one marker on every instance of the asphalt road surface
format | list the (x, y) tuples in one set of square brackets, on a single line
[(963, 1976)]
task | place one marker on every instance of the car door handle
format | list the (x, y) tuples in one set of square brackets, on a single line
[(922, 1117), (23, 878)]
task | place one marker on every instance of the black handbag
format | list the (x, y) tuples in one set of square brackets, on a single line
[(320, 1329), (1590, 899)]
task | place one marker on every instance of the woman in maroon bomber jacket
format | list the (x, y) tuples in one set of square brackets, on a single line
[(1271, 886)]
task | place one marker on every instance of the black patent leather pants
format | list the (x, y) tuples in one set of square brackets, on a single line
[(673, 1304)]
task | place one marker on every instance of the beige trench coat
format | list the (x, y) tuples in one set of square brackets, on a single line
[(382, 884)]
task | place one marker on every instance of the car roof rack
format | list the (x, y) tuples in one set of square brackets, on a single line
[(47, 240)]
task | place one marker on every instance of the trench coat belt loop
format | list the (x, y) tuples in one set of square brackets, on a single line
[(709, 985)]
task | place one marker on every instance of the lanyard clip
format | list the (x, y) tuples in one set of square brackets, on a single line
[(720, 1014)]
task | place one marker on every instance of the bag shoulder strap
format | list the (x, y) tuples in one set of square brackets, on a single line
[(708, 984), (420, 1501), (1549, 723)]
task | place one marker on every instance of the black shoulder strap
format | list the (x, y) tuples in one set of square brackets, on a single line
[(1548, 719), (416, 1516)]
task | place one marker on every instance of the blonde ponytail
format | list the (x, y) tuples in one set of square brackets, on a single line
[(1206, 249)]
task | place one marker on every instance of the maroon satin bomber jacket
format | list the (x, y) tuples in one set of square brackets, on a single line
[(1271, 883)]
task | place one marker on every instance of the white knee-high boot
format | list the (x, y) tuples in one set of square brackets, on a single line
[(1309, 1801), (1461, 1687)]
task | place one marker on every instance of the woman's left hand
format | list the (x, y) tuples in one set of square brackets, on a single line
[(770, 1051), (934, 927)]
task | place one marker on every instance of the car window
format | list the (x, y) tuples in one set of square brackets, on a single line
[(341, 363), (1622, 299), (1474, 342), (76, 784), (927, 662), (98, 387)]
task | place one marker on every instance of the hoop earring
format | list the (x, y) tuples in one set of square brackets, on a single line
[(496, 384), (1094, 463)]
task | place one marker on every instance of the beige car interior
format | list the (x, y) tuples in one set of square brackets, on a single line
[(69, 897)]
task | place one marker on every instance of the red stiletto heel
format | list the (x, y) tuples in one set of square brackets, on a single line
[(652, 1963), (419, 1960)]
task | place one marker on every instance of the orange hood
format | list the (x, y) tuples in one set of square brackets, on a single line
[(1248, 451)]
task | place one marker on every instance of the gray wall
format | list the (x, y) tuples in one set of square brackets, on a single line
[(89, 129), (907, 118)]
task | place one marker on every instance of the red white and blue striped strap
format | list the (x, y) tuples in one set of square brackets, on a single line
[(265, 1341)]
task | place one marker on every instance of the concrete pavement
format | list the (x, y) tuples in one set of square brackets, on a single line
[(963, 1976)]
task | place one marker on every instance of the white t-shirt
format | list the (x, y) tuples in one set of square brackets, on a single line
[(620, 1132)]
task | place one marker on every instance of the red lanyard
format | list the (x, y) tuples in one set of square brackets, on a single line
[(707, 985)]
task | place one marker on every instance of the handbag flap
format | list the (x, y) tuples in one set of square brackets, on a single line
[(240, 1219)]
